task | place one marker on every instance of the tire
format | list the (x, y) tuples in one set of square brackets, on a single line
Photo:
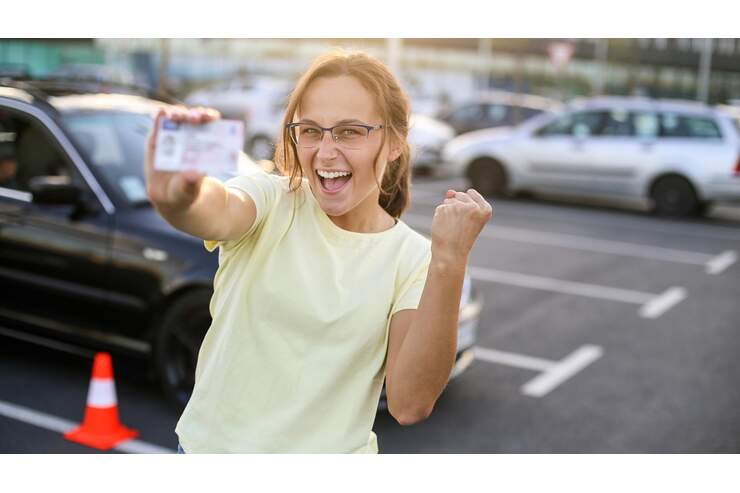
[(674, 196), (261, 148), (488, 177), (176, 345), (704, 208)]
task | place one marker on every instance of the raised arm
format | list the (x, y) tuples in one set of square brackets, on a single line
[(423, 342), (196, 204)]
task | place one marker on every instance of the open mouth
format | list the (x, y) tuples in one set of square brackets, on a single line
[(333, 184)]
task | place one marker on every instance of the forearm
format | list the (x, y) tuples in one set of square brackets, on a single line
[(205, 217), (427, 354)]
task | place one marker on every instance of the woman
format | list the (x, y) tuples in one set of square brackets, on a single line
[(321, 292)]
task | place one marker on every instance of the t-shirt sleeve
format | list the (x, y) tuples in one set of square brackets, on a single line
[(411, 290), (264, 189)]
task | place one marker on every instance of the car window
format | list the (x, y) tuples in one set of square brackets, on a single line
[(471, 112), (688, 126), (28, 150), (646, 124), (497, 114), (579, 124), (617, 123), (114, 144), (527, 113)]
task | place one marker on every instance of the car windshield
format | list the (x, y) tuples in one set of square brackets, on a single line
[(114, 144)]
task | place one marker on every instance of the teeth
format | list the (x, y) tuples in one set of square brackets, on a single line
[(333, 174)]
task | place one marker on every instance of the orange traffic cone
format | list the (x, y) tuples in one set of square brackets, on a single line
[(101, 428)]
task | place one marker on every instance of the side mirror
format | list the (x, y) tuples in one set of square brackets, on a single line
[(54, 190)]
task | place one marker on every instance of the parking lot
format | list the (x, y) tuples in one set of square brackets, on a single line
[(604, 330)]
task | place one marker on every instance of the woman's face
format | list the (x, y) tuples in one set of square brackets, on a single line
[(330, 101)]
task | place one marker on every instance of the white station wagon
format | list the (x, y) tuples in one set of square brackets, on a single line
[(680, 155)]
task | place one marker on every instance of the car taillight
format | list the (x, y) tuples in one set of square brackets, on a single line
[(737, 166)]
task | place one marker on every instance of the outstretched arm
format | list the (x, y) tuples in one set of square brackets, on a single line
[(191, 202)]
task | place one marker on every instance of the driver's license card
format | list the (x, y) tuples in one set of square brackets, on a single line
[(211, 148)]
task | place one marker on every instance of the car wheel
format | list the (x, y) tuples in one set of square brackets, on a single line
[(177, 343), (704, 208), (488, 177), (261, 148), (674, 196)]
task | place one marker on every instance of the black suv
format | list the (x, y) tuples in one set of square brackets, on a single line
[(84, 258)]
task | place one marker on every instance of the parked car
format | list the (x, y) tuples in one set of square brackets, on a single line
[(427, 137), (495, 109), (259, 101), (733, 111), (681, 156), (86, 259)]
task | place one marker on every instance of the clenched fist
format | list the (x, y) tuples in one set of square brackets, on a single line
[(457, 223)]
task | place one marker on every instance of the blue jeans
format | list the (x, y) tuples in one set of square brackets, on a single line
[(180, 449)]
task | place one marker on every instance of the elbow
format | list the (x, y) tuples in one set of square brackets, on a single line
[(411, 416)]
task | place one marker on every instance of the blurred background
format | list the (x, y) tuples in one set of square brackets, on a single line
[(600, 310)]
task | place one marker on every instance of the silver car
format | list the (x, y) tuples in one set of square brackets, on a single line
[(681, 156)]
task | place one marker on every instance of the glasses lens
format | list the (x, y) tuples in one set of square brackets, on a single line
[(350, 136), (306, 135)]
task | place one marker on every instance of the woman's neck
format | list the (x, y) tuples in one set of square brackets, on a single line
[(358, 221)]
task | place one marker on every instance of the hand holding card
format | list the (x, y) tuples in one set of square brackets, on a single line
[(177, 186)]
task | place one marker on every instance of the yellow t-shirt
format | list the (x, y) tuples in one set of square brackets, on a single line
[(294, 360)]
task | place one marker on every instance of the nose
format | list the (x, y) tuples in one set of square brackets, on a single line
[(327, 146)]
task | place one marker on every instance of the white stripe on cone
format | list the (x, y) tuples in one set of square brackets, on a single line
[(102, 393)]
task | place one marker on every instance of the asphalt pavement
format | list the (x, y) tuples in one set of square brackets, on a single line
[(605, 330)]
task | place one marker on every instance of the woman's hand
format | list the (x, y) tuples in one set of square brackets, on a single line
[(457, 223), (167, 189)]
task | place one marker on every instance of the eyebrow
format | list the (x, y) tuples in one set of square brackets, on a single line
[(346, 121)]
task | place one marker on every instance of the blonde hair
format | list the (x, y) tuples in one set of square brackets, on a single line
[(394, 108)]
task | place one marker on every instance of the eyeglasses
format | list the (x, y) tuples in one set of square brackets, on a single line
[(309, 135)]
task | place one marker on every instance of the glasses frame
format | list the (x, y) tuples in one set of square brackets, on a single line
[(291, 126)]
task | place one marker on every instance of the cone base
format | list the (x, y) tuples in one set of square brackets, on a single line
[(102, 442)]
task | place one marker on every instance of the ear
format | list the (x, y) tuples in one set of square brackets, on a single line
[(394, 154)]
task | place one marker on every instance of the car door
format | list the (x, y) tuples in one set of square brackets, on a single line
[(623, 150), (560, 155), (692, 143), (53, 257), (616, 151)]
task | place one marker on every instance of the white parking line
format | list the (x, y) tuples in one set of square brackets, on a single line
[(59, 425), (512, 359), (560, 286), (721, 262), (553, 373), (662, 303), (562, 371), (713, 264), (653, 305)]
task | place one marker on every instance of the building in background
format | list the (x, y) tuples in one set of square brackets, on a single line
[(433, 70)]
